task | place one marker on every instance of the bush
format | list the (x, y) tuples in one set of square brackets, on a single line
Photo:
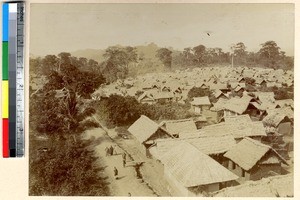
[(65, 168)]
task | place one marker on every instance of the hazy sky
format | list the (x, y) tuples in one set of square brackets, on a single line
[(69, 27)]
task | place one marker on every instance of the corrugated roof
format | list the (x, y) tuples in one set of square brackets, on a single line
[(248, 152), (143, 128), (201, 101), (191, 167)]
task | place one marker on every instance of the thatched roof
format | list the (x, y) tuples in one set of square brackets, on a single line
[(238, 105), (248, 152), (197, 101), (177, 126), (286, 111), (238, 119), (163, 95), (205, 144), (143, 128), (265, 97), (236, 129), (145, 95), (282, 186), (213, 145), (274, 119), (191, 167), (285, 103)]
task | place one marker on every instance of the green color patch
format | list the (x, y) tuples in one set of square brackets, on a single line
[(4, 60)]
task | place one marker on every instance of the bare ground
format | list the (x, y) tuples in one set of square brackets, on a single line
[(127, 181)]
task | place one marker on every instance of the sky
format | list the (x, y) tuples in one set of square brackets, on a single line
[(55, 28)]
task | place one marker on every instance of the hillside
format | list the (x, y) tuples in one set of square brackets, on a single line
[(146, 51)]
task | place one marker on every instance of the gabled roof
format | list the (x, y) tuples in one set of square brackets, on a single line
[(282, 185), (191, 167), (206, 144), (218, 93), (238, 119), (238, 105), (236, 129), (274, 119), (248, 152), (163, 95), (218, 86), (177, 126), (143, 128), (285, 103), (144, 96), (201, 101)]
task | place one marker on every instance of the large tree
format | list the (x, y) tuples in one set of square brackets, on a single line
[(165, 56), (117, 61), (62, 98), (199, 53), (269, 54)]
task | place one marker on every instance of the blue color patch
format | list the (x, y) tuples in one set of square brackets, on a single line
[(5, 11)]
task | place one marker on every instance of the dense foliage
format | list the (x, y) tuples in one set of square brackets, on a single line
[(60, 105), (64, 167), (120, 111), (61, 164)]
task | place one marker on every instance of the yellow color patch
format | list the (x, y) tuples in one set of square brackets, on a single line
[(5, 102)]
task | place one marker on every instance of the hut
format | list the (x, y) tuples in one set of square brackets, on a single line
[(175, 127), (146, 98), (190, 172), (199, 104), (281, 121), (252, 160), (146, 132), (275, 186)]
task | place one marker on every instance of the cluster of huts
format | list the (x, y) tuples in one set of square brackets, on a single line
[(174, 86), (197, 162), (200, 158)]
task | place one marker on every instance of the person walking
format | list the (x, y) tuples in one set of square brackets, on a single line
[(106, 151), (111, 150), (124, 163), (116, 172)]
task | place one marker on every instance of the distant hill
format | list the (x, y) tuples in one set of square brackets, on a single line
[(95, 54), (147, 51)]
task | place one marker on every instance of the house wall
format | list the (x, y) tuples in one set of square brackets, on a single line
[(150, 102), (241, 173), (262, 171), (212, 187), (229, 113), (285, 128)]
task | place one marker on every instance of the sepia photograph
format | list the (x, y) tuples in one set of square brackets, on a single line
[(161, 99)]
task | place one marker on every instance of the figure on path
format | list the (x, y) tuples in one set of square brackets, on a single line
[(111, 150), (116, 172), (106, 151)]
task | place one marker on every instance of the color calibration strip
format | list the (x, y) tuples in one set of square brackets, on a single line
[(13, 79)]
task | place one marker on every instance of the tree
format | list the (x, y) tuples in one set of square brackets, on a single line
[(62, 99), (165, 56), (117, 61), (49, 64), (198, 92), (269, 54), (199, 53)]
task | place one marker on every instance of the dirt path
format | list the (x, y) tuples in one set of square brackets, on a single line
[(127, 181)]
